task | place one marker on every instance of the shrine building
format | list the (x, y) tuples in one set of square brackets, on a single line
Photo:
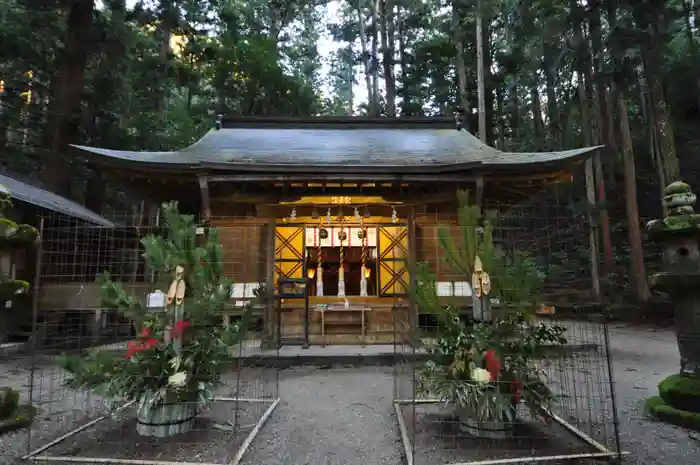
[(350, 204)]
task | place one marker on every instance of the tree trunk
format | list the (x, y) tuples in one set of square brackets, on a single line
[(375, 110), (552, 106), (501, 120), (637, 273), (386, 26), (403, 62), (488, 80), (481, 91), (168, 21), (460, 64), (602, 133), (692, 47), (514, 116), (365, 52), (538, 125), (66, 98), (651, 20)]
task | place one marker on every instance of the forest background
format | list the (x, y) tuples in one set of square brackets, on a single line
[(555, 74)]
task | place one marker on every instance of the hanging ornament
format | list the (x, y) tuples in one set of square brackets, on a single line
[(394, 216), (323, 233), (328, 216), (361, 234), (342, 235), (293, 215)]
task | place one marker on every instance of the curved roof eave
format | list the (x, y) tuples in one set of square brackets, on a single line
[(36, 195), (490, 159)]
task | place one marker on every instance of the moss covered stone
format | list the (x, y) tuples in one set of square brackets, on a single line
[(9, 400), (677, 187), (660, 410), (23, 417), (11, 232), (12, 288), (681, 392)]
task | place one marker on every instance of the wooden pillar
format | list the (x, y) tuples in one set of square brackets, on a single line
[(479, 194), (271, 307), (412, 246), (205, 210)]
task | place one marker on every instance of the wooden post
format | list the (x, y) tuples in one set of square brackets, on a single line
[(270, 308), (592, 229), (412, 245), (479, 195), (205, 212)]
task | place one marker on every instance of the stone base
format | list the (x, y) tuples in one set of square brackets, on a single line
[(664, 412)]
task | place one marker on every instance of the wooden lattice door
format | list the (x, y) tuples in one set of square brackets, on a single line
[(289, 252), (393, 260)]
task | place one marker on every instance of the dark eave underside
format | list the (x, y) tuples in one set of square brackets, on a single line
[(337, 146)]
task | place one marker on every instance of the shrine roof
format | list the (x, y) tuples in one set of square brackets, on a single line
[(343, 144), (26, 191)]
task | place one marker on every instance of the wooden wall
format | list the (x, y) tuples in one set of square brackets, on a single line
[(244, 249), (428, 248)]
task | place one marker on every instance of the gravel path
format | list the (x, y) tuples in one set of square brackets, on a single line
[(344, 415), (331, 417), (641, 358)]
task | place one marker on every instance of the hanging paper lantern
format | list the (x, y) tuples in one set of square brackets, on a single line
[(323, 233), (361, 234)]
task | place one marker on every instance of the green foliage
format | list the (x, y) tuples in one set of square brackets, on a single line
[(681, 392), (452, 376), (515, 277), (9, 400), (22, 418), (180, 352), (11, 232), (12, 415), (664, 412)]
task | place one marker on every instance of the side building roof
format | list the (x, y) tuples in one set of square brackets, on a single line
[(35, 195), (336, 144)]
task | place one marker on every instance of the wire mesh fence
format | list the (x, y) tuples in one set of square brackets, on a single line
[(448, 416), (79, 347), (495, 371)]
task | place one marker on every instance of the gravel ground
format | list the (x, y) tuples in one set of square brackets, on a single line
[(641, 358), (345, 416), (340, 416)]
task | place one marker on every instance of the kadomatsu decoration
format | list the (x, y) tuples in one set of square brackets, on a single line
[(171, 370)]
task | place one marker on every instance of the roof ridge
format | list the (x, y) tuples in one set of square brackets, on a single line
[(337, 122)]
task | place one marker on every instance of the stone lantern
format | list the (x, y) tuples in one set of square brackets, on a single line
[(679, 235)]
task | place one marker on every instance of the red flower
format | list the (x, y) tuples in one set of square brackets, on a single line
[(136, 346), (179, 328), (202, 261), (493, 364), (516, 393)]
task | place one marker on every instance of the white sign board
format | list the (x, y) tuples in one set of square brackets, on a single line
[(155, 300)]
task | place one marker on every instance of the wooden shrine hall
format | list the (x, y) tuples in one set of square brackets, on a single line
[(348, 203)]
